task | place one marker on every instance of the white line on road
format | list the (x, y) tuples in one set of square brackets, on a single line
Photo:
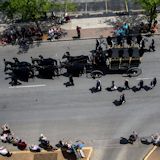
[(147, 78), (29, 86), (143, 78)]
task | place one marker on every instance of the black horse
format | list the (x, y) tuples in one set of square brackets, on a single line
[(47, 72), (11, 65), (21, 73), (75, 69), (44, 61), (78, 59)]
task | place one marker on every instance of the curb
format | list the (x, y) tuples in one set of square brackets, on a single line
[(28, 155), (85, 38), (149, 153)]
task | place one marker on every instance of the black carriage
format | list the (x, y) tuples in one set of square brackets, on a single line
[(112, 61)]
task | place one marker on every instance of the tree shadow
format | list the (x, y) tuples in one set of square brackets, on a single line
[(28, 45)]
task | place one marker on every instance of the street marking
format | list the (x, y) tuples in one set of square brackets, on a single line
[(147, 78), (143, 78), (149, 153), (29, 86)]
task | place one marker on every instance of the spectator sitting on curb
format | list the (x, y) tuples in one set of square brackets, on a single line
[(4, 152), (34, 148)]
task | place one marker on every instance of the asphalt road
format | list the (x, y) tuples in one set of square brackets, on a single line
[(74, 113)]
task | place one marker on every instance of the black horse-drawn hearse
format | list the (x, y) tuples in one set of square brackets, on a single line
[(116, 59)]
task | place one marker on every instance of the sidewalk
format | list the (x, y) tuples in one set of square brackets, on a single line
[(89, 33), (90, 27), (95, 27)]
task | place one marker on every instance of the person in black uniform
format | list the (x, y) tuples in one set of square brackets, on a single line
[(122, 99), (141, 84), (153, 82), (126, 84), (71, 81), (152, 46), (97, 44)]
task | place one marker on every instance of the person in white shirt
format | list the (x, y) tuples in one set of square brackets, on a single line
[(3, 137), (35, 148), (5, 152)]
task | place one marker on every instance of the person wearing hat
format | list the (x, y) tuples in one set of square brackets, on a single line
[(141, 84), (153, 82), (126, 84)]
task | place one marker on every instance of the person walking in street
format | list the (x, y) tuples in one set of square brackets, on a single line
[(78, 29), (141, 84), (97, 44), (153, 82), (152, 46), (122, 99), (126, 84), (113, 86), (98, 86), (71, 80)]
